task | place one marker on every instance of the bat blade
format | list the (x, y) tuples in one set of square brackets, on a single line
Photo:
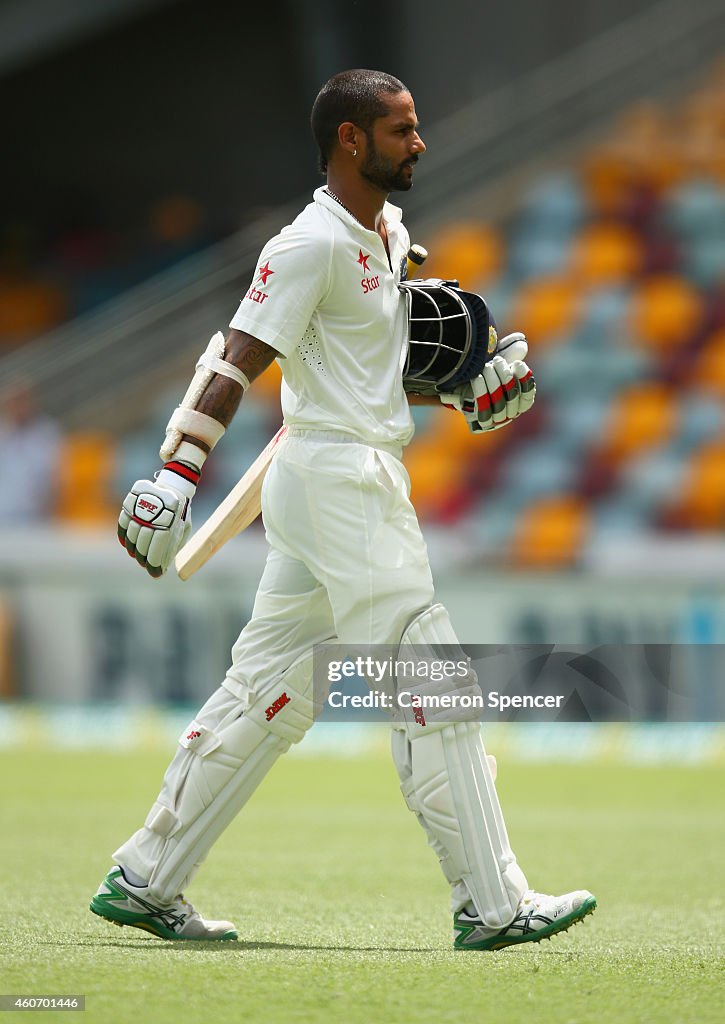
[(240, 508)]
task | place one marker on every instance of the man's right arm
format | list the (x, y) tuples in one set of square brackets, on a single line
[(155, 519), (222, 395)]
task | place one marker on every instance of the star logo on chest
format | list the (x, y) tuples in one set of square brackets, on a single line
[(363, 261), (265, 273)]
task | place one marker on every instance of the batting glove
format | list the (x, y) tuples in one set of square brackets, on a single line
[(512, 347), (496, 397), (155, 518)]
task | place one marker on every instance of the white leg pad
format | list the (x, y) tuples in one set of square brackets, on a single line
[(448, 782), (402, 758), (457, 798), (223, 755)]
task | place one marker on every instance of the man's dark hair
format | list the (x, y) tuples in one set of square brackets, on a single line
[(350, 96)]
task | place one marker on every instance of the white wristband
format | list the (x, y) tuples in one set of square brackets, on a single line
[(167, 478)]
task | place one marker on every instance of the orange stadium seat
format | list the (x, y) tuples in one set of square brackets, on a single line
[(607, 181), (702, 504), (708, 372), (546, 308), (28, 307), (646, 135), (665, 312), (85, 489), (643, 416), (470, 253), (433, 477), (437, 461), (701, 130), (606, 254), (550, 534), (267, 385), (640, 152)]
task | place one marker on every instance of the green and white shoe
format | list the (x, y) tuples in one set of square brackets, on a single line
[(539, 917), (125, 904)]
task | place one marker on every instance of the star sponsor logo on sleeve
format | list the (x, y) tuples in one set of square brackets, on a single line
[(263, 275), (369, 282)]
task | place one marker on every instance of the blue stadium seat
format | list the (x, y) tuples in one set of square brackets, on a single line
[(598, 373), (555, 200), (702, 419), (704, 259), (491, 522), (617, 516), (538, 470), (577, 423), (696, 210), (651, 480), (603, 322), (535, 251)]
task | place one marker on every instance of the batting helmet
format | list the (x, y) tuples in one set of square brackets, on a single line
[(451, 335)]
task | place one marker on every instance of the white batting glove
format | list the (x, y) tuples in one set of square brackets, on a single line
[(497, 396), (512, 347), (155, 519)]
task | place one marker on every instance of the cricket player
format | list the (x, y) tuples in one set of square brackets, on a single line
[(346, 559)]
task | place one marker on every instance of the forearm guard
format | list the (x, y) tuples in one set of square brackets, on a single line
[(185, 419)]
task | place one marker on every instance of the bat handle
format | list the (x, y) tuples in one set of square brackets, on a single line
[(417, 256)]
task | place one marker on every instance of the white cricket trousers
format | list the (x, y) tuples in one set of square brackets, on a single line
[(347, 558)]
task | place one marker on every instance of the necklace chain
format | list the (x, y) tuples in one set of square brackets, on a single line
[(339, 201)]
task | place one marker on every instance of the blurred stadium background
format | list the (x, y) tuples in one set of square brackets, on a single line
[(575, 176)]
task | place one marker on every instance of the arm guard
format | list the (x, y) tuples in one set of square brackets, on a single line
[(185, 419)]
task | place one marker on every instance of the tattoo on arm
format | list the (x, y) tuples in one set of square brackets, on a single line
[(222, 395)]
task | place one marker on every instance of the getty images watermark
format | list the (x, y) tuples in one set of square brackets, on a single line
[(522, 682), (420, 682)]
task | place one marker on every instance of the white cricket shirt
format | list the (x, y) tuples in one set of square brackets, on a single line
[(324, 295)]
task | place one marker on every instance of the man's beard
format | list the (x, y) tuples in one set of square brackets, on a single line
[(384, 174)]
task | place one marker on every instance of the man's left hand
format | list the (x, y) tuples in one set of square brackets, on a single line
[(496, 397)]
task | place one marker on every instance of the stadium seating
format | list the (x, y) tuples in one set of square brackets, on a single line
[(616, 272), (613, 266), (85, 487)]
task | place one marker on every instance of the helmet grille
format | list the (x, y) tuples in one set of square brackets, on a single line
[(439, 333)]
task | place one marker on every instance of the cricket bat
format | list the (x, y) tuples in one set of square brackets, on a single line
[(240, 508)]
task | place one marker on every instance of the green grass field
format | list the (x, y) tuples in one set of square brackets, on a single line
[(342, 911)]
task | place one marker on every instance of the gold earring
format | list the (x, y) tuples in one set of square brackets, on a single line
[(354, 152)]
